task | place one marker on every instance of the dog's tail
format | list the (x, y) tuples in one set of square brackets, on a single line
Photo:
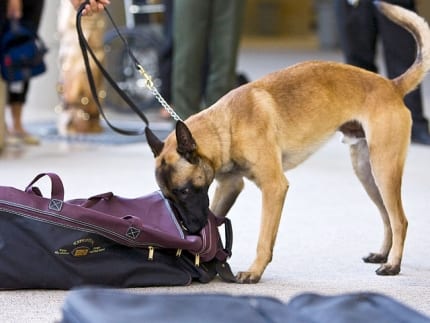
[(418, 27)]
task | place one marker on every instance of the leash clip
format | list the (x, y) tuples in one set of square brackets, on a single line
[(150, 85), (146, 76)]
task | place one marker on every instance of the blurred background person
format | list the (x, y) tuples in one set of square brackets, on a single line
[(206, 36), (29, 13), (361, 25)]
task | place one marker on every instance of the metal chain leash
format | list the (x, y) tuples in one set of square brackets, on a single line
[(147, 77), (150, 85)]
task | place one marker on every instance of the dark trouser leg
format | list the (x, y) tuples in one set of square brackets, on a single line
[(358, 29), (358, 33), (399, 53)]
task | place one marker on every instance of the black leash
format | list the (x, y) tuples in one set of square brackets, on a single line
[(85, 48)]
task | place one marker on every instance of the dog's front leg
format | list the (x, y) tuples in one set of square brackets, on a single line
[(274, 190), (227, 190)]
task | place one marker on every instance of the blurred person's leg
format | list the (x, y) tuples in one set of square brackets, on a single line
[(191, 21), (166, 52), (17, 91), (358, 33), (17, 94), (224, 39), (399, 54)]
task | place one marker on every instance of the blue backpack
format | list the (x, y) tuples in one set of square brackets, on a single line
[(21, 53)]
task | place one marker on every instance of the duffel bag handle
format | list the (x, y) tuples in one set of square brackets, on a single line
[(222, 267), (96, 198), (228, 236), (57, 188), (228, 231)]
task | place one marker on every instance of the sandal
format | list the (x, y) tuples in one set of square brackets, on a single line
[(24, 138)]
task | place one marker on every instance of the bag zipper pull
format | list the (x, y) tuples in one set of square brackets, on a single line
[(150, 253), (197, 260), (178, 252)]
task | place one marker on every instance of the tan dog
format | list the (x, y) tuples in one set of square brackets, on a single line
[(269, 126)]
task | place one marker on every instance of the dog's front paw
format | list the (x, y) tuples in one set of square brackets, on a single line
[(375, 258), (247, 277), (388, 270)]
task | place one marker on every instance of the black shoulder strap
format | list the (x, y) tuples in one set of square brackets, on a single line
[(222, 267), (85, 48)]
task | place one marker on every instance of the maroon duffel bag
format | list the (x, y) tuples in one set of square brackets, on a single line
[(46, 242)]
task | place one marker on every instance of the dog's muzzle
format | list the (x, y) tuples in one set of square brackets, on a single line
[(192, 213)]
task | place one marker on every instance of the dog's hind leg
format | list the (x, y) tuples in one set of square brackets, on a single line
[(388, 143), (227, 190), (361, 164)]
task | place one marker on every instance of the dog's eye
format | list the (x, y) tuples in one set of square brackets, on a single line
[(182, 193)]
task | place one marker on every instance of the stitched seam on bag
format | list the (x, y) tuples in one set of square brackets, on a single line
[(71, 226), (95, 229), (205, 240), (35, 218)]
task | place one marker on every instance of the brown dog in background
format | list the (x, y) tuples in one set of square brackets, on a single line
[(271, 125)]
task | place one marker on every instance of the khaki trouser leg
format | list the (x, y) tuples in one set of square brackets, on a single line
[(189, 53), (223, 48)]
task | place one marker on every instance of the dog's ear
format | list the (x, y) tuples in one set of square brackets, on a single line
[(187, 146), (153, 142)]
